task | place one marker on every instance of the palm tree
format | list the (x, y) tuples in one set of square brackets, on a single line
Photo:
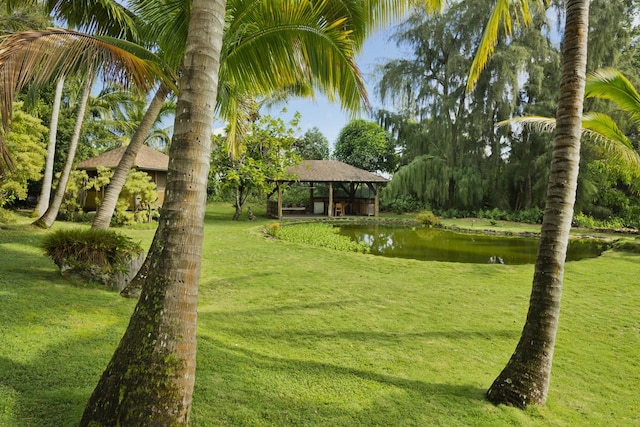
[(34, 56), (49, 216), (294, 35), (47, 180), (149, 380), (526, 377)]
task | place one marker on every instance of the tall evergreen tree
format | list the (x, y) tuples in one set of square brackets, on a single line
[(452, 156)]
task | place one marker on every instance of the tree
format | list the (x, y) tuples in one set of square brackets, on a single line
[(47, 219), (451, 155), (313, 145), (366, 145), (252, 27), (525, 379), (266, 153), (149, 380), (25, 143), (45, 192)]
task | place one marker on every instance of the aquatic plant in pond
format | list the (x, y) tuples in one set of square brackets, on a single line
[(317, 234), (432, 244)]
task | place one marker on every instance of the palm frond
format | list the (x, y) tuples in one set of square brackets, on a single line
[(98, 17), (256, 60), (598, 128), (41, 56), (612, 85), (507, 14)]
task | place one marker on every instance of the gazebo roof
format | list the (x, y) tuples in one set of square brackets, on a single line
[(147, 159), (331, 171)]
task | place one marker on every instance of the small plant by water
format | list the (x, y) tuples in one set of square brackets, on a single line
[(428, 219)]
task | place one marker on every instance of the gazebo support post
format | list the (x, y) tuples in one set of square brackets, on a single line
[(279, 201), (376, 203), (330, 210)]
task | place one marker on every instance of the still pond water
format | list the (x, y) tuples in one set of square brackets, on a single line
[(430, 244)]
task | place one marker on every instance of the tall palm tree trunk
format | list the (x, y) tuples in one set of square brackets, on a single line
[(150, 378), (49, 217), (525, 379), (47, 180), (108, 204)]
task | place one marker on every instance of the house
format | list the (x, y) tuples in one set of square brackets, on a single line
[(148, 160), (334, 189)]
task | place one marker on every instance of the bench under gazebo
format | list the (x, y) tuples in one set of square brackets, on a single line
[(334, 189)]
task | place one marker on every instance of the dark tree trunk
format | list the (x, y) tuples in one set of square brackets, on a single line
[(149, 380), (525, 379)]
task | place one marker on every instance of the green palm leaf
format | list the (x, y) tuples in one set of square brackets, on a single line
[(599, 128), (508, 15), (612, 85), (41, 56)]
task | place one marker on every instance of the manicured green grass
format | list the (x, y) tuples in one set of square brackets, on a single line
[(291, 334)]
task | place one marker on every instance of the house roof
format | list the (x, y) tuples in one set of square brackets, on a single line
[(147, 159), (331, 171)]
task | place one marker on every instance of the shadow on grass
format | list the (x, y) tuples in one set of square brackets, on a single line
[(378, 337), (267, 390), (52, 389)]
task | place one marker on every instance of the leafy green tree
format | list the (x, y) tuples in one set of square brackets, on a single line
[(313, 145), (25, 144), (267, 152), (366, 145), (451, 155)]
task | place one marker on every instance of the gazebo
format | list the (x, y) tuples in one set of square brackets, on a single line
[(335, 189), (153, 162)]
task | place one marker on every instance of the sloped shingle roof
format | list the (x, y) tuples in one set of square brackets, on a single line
[(332, 171), (147, 159)]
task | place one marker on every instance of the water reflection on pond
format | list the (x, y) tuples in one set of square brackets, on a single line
[(431, 244)]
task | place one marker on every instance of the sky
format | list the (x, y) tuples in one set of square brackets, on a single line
[(327, 116)]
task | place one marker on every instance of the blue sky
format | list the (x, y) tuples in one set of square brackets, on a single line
[(327, 116)]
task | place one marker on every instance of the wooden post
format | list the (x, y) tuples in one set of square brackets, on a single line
[(279, 201), (376, 203), (330, 212)]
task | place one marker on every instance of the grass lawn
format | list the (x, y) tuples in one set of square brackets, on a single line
[(291, 335)]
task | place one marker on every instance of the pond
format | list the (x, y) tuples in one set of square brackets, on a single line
[(434, 244)]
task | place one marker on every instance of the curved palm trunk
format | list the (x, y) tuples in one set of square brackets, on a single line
[(525, 379), (108, 205), (45, 192), (149, 380), (49, 217)]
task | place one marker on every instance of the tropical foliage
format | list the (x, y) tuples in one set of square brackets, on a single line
[(367, 146), (266, 153), (26, 146)]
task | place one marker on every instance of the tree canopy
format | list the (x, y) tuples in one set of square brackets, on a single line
[(366, 145)]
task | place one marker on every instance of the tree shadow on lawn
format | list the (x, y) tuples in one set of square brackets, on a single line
[(284, 391), (53, 388)]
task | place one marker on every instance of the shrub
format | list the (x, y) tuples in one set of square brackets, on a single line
[(273, 229), (401, 204), (427, 218), (530, 216), (92, 254), (628, 245), (7, 217), (582, 220)]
